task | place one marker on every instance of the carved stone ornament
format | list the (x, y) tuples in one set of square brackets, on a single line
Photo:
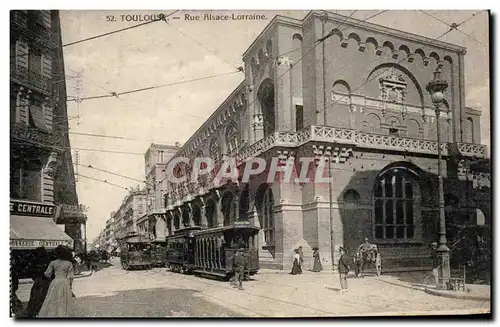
[(393, 87)]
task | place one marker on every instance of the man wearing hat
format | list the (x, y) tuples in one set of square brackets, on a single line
[(239, 266), (344, 268), (435, 263)]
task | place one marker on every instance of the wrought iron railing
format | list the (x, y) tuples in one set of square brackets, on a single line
[(32, 135), (345, 136)]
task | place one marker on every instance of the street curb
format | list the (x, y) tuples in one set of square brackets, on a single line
[(457, 296), (30, 281)]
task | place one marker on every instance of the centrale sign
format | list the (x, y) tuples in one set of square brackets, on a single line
[(25, 208)]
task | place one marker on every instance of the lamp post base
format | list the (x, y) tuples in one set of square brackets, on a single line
[(444, 270)]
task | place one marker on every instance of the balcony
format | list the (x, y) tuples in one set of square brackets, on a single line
[(30, 78), (186, 191), (23, 132)]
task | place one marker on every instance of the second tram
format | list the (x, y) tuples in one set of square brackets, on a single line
[(210, 252), (135, 251)]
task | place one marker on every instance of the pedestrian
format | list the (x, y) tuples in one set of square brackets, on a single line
[(41, 282), (317, 267), (239, 267), (435, 263), (59, 296), (17, 307), (344, 268), (301, 255), (296, 263)]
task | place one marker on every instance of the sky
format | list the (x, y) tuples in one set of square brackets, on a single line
[(159, 54)]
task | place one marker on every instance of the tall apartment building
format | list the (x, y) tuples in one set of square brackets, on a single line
[(42, 184)]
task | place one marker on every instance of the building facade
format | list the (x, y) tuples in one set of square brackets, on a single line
[(41, 169), (156, 159), (133, 207), (358, 102)]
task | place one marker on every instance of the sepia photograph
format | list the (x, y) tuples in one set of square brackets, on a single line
[(250, 163)]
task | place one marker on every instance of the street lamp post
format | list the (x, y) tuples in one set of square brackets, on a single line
[(436, 88)]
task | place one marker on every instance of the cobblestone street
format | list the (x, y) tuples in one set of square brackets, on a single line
[(113, 292)]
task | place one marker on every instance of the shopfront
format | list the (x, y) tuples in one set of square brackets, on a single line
[(31, 226)]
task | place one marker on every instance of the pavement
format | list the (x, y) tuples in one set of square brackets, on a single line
[(114, 292)]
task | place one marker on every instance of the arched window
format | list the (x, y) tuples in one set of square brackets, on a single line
[(231, 139), (227, 207), (268, 215), (351, 197), (395, 200), (210, 213), (244, 204), (266, 100)]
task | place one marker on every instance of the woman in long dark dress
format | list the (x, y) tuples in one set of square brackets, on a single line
[(41, 282), (317, 267), (296, 264)]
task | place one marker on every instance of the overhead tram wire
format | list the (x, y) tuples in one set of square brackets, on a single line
[(201, 45), (112, 173), (161, 17), (119, 138), (128, 104), (103, 181), (279, 77), (313, 46), (363, 20), (23, 142), (116, 94), (383, 72), (454, 26)]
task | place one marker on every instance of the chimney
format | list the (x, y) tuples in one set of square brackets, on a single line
[(177, 145)]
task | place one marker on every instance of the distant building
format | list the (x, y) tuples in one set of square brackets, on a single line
[(133, 207), (156, 159)]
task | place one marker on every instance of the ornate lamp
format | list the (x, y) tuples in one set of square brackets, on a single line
[(436, 88)]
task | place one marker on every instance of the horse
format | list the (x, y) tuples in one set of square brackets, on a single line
[(367, 255)]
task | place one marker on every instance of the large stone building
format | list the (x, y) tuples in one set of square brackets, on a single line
[(357, 99), (155, 160), (42, 184)]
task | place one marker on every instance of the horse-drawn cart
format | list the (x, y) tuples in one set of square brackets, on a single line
[(367, 255)]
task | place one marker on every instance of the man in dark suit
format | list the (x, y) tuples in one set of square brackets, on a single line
[(344, 267), (239, 266), (41, 283)]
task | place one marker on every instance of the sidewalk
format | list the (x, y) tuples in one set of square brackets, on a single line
[(472, 292), (30, 281), (410, 280)]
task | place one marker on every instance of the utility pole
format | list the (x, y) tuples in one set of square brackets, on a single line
[(330, 205)]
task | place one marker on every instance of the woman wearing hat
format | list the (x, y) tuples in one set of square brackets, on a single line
[(296, 263), (317, 267), (59, 296)]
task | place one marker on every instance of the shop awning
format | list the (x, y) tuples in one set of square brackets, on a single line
[(28, 232)]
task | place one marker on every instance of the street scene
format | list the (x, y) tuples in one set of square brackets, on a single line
[(113, 292), (195, 163)]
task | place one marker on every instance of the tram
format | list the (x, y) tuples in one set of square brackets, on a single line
[(210, 252), (135, 251), (159, 254)]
